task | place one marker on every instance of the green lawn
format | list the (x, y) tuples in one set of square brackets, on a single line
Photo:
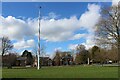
[(62, 72)]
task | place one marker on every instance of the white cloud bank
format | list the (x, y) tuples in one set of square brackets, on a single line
[(24, 44), (115, 2), (51, 29), (15, 29), (88, 21), (90, 17), (72, 46)]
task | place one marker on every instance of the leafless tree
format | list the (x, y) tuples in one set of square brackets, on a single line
[(9, 60), (57, 58), (93, 52), (6, 45), (108, 27), (80, 48), (42, 50)]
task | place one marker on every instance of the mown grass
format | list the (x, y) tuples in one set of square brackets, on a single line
[(62, 72)]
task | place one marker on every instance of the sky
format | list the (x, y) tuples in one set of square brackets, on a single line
[(64, 25)]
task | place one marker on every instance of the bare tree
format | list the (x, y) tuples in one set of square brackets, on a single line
[(80, 48), (9, 60), (42, 50), (108, 27), (81, 55), (6, 45), (93, 51), (57, 57), (112, 54)]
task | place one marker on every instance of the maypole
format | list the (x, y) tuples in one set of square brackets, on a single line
[(39, 64)]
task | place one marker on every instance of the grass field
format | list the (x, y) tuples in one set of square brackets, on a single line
[(62, 72)]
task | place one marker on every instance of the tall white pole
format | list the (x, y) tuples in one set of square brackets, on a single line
[(39, 65), (88, 61)]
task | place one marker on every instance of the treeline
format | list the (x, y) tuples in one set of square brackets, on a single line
[(80, 55), (96, 55), (91, 56)]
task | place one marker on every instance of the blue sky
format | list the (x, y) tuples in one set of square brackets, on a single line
[(65, 9), (64, 24)]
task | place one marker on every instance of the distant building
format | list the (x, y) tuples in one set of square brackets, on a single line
[(45, 61), (21, 61), (63, 58), (35, 62)]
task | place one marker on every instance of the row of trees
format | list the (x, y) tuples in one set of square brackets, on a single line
[(95, 55), (91, 56)]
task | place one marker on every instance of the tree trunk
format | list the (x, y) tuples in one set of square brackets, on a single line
[(118, 47), (119, 53), (118, 56), (3, 53)]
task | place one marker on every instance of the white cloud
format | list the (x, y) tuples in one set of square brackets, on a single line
[(24, 44), (88, 20), (59, 30), (51, 15), (88, 44), (89, 41), (63, 29), (59, 48), (78, 36), (115, 2), (90, 17), (51, 29), (15, 29), (52, 55), (72, 46)]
